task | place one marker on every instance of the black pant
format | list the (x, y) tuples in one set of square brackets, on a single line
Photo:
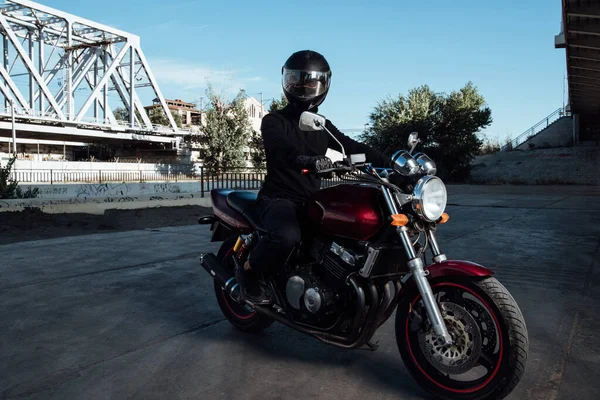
[(280, 218)]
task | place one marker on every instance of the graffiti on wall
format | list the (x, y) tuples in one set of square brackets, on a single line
[(166, 188), (45, 192), (144, 187), (24, 203), (38, 202), (102, 189), (120, 199)]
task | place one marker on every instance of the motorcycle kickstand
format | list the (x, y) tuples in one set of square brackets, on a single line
[(373, 346)]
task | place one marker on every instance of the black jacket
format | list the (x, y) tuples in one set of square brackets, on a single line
[(284, 142)]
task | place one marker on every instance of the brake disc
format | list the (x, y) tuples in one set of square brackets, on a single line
[(464, 353), (485, 324)]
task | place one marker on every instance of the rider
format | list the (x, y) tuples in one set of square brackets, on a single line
[(306, 80)]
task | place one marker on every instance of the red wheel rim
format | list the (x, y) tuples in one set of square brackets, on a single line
[(500, 341), (230, 308)]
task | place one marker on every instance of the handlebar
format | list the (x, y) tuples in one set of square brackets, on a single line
[(341, 168)]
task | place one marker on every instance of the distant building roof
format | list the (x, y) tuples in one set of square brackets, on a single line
[(175, 105), (177, 102)]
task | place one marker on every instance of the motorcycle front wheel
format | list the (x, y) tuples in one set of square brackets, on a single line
[(487, 359), (240, 316)]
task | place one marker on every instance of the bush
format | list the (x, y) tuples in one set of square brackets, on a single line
[(9, 188), (489, 146)]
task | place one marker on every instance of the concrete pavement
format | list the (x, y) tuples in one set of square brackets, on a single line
[(132, 315)]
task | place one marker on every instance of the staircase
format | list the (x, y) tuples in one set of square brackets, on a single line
[(537, 129)]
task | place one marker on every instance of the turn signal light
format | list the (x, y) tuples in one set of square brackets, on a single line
[(444, 218), (399, 220)]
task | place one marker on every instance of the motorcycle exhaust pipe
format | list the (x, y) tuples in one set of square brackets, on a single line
[(213, 266)]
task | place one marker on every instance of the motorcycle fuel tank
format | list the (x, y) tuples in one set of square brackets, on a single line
[(352, 211)]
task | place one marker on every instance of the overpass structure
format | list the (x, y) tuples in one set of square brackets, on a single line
[(580, 37), (61, 77)]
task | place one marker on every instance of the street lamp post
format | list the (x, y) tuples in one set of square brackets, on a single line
[(262, 110), (14, 130)]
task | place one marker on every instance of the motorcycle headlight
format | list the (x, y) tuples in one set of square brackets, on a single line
[(429, 198)]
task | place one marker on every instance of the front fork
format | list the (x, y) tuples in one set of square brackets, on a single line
[(415, 264), (416, 267)]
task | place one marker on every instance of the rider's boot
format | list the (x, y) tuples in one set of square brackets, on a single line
[(249, 283)]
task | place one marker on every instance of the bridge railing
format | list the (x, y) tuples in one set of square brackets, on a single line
[(535, 129), (45, 116)]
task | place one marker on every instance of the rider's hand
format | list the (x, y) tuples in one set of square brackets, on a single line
[(315, 163)]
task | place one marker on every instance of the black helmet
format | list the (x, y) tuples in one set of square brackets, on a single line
[(306, 79)]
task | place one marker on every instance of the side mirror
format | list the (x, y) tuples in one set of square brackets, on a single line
[(413, 141), (310, 122), (357, 158)]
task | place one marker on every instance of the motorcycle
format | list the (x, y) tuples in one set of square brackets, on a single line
[(363, 255)]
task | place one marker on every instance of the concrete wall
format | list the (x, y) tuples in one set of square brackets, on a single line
[(112, 190), (99, 205), (95, 198), (557, 134), (567, 165)]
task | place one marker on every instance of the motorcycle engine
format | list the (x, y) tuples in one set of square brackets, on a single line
[(317, 288), (306, 292)]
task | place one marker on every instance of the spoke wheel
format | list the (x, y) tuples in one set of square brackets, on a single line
[(490, 345)]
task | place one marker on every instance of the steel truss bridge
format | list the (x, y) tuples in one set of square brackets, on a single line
[(59, 72)]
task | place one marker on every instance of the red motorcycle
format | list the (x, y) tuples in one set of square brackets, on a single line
[(363, 256)]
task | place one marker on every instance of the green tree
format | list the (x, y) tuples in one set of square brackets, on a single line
[(121, 114), (9, 188), (278, 104), (226, 133), (448, 125), (257, 151), (157, 116)]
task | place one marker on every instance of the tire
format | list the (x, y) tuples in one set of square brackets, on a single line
[(240, 316), (507, 326)]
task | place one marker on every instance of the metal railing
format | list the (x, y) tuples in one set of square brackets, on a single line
[(240, 179), (535, 129)]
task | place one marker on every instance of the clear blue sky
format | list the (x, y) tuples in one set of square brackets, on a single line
[(375, 49)]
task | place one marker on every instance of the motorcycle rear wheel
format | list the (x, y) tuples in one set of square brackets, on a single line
[(240, 316), (493, 337)]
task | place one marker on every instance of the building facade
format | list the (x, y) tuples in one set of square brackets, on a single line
[(256, 112), (188, 112)]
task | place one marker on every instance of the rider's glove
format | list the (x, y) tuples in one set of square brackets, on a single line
[(315, 163)]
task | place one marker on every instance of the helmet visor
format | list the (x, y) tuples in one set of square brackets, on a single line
[(305, 84)]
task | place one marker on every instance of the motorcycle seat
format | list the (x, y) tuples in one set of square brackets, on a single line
[(244, 202)]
